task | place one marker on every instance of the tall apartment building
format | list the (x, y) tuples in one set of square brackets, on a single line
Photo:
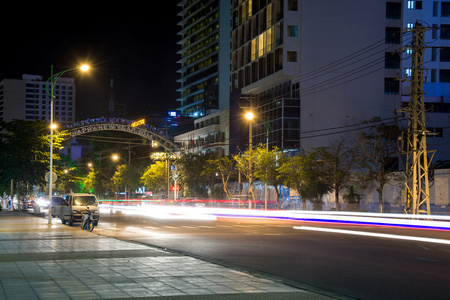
[(205, 73), (315, 69), (27, 99), (435, 16)]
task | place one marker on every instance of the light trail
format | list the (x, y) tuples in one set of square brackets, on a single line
[(161, 212), (433, 222), (373, 234)]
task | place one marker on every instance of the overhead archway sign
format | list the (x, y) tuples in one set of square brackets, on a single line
[(117, 124)]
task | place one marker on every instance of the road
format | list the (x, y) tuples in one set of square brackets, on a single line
[(361, 267)]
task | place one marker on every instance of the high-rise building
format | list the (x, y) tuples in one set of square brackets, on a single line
[(314, 69), (205, 73), (205, 56), (28, 99), (435, 17)]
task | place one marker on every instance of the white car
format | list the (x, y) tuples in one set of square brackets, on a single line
[(40, 203), (70, 208)]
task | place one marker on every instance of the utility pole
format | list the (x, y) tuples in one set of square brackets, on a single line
[(417, 162)]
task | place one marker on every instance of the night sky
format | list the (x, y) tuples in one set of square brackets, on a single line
[(136, 46)]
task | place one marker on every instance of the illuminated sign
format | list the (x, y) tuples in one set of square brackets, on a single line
[(137, 123)]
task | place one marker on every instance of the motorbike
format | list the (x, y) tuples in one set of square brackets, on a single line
[(88, 221)]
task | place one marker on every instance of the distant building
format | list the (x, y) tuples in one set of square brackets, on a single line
[(311, 71), (27, 99), (205, 73)]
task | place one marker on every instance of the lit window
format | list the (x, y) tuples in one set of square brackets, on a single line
[(410, 26), (410, 4), (408, 72)]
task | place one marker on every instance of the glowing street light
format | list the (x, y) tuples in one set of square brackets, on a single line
[(249, 116), (50, 86)]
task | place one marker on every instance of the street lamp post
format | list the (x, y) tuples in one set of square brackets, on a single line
[(249, 116), (52, 80)]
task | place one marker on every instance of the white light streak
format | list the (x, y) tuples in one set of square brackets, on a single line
[(352, 218), (374, 234)]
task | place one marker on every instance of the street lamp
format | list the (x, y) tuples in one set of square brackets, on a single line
[(50, 86), (249, 116)]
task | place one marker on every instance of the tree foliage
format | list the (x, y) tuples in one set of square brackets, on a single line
[(25, 151), (304, 174), (190, 167), (246, 163), (126, 178), (336, 163), (155, 177), (221, 166), (378, 157), (268, 163)]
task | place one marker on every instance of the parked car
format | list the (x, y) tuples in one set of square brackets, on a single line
[(29, 203), (40, 203), (71, 208)]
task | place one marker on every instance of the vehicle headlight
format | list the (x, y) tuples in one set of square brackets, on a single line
[(42, 202), (75, 211)]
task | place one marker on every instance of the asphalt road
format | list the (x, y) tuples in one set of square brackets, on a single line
[(356, 266)]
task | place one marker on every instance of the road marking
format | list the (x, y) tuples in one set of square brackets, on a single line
[(373, 234)]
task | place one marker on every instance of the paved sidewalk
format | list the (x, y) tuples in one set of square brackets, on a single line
[(41, 261)]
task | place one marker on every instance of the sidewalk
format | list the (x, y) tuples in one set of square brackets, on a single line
[(41, 261)]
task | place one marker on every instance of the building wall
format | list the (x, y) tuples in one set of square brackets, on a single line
[(27, 99), (12, 100), (332, 53), (343, 70), (209, 134)]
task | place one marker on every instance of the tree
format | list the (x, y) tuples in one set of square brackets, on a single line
[(267, 170), (155, 177), (378, 156), (303, 173), (25, 151), (127, 177), (246, 163), (337, 161), (90, 182), (223, 166), (190, 167)]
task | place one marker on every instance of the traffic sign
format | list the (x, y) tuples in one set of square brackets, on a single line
[(54, 177)]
